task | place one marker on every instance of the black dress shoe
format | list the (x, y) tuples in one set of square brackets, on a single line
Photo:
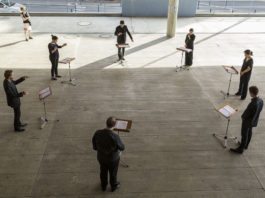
[(19, 130), (238, 94), (58, 76), (238, 151), (23, 124), (53, 78), (242, 98), (116, 187)]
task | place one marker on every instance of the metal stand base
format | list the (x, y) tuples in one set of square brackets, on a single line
[(224, 139), (69, 82), (182, 67), (44, 122)]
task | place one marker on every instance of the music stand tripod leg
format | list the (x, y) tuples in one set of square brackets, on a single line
[(70, 81), (44, 119), (124, 164), (228, 90), (225, 138)]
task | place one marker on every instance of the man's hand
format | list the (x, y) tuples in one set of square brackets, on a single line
[(241, 73), (25, 93), (64, 44), (120, 34), (25, 77)]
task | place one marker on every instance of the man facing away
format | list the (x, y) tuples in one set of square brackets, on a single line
[(108, 146), (13, 97), (250, 118), (121, 32)]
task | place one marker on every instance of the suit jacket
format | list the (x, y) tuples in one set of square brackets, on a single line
[(108, 145), (122, 38), (190, 41), (251, 115), (12, 95)]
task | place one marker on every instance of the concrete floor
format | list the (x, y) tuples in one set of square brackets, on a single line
[(170, 150)]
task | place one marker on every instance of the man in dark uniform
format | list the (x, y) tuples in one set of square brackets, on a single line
[(108, 146), (121, 32), (13, 97), (250, 118), (189, 43)]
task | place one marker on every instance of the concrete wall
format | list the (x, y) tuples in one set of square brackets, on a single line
[(156, 8)]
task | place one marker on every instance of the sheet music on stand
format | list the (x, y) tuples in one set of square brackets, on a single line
[(123, 45), (66, 60), (184, 49), (230, 69), (45, 93), (123, 125), (227, 110)]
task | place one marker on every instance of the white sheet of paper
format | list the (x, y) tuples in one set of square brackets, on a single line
[(65, 60), (230, 70), (121, 125), (185, 49), (45, 92), (227, 111)]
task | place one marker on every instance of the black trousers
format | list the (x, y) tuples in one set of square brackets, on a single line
[(243, 86), (188, 59), (17, 115), (246, 135), (121, 52), (111, 168), (54, 69)]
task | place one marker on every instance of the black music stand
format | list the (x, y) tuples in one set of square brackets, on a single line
[(68, 61), (123, 126), (42, 95), (232, 71), (182, 66), (227, 111)]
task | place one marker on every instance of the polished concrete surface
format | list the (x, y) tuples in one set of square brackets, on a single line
[(170, 150)]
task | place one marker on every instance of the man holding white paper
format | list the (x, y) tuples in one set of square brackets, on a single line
[(250, 119)]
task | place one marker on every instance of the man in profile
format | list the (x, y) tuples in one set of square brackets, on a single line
[(108, 146), (250, 118), (121, 32), (189, 43), (13, 97)]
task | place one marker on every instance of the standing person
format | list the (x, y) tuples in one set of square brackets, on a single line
[(26, 21), (13, 97), (245, 74), (108, 146), (121, 32), (189, 43), (54, 56), (250, 119)]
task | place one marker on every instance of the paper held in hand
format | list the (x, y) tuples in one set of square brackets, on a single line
[(227, 110), (66, 60), (230, 69), (45, 93), (184, 49), (123, 125), (124, 45)]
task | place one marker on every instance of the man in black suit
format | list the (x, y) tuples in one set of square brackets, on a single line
[(189, 43), (121, 32), (13, 97), (250, 118), (108, 146)]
